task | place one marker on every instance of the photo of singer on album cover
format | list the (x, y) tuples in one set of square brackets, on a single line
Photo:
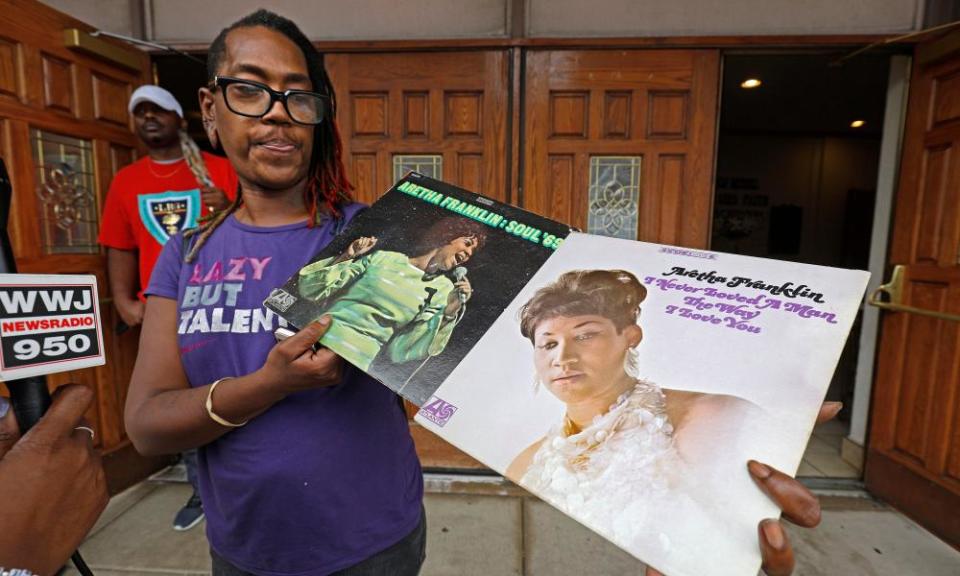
[(414, 281)]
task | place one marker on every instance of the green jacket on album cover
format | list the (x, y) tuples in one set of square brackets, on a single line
[(380, 301)]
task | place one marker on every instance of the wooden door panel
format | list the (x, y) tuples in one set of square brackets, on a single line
[(563, 198), (946, 103), (913, 456), (667, 114), (658, 106), (10, 85), (449, 105), (58, 92), (110, 97), (46, 86)]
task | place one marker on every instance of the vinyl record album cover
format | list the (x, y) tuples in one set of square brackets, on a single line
[(629, 383), (414, 281)]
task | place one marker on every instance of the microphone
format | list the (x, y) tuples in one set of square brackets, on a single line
[(29, 396), (30, 399), (460, 273)]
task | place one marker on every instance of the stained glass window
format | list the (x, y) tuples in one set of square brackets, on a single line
[(614, 196), (427, 164), (66, 188)]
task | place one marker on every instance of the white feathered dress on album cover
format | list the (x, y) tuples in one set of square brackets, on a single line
[(628, 385)]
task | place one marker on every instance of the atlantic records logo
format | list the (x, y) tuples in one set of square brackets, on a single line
[(281, 300), (438, 411)]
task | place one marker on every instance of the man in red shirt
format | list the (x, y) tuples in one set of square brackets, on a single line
[(154, 198), (148, 202)]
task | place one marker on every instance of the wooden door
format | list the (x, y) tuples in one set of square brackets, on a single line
[(621, 142), (66, 110), (913, 454), (442, 113)]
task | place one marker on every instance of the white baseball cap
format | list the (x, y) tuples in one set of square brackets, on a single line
[(157, 95)]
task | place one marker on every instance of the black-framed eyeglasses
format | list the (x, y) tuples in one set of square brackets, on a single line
[(254, 99)]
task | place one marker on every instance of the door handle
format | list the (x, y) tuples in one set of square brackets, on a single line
[(894, 290)]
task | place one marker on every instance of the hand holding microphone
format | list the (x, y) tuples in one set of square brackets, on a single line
[(357, 248), (52, 483), (462, 291), (51, 479)]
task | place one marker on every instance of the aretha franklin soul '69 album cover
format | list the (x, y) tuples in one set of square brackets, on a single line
[(414, 281), (628, 384)]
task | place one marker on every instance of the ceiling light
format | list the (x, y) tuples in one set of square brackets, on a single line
[(751, 83), (857, 124)]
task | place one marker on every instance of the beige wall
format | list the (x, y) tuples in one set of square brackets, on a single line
[(561, 18), (117, 16), (192, 21), (338, 19)]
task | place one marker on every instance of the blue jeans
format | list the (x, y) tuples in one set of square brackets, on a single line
[(190, 462), (402, 559)]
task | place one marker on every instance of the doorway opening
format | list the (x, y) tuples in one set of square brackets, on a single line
[(183, 77), (798, 155)]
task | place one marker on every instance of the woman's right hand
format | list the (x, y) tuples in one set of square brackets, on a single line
[(293, 365)]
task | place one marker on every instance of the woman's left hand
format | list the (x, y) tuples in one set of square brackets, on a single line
[(799, 506)]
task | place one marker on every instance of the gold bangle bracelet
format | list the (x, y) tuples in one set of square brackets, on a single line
[(213, 415)]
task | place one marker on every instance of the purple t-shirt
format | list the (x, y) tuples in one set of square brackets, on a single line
[(324, 478)]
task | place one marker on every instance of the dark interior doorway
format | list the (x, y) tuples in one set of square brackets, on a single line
[(796, 180), (183, 77)]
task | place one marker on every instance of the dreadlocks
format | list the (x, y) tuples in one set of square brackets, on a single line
[(327, 185)]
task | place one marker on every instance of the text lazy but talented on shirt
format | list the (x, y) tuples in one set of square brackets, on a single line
[(212, 299)]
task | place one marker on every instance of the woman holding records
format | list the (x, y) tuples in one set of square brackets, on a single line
[(306, 464), (307, 467)]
